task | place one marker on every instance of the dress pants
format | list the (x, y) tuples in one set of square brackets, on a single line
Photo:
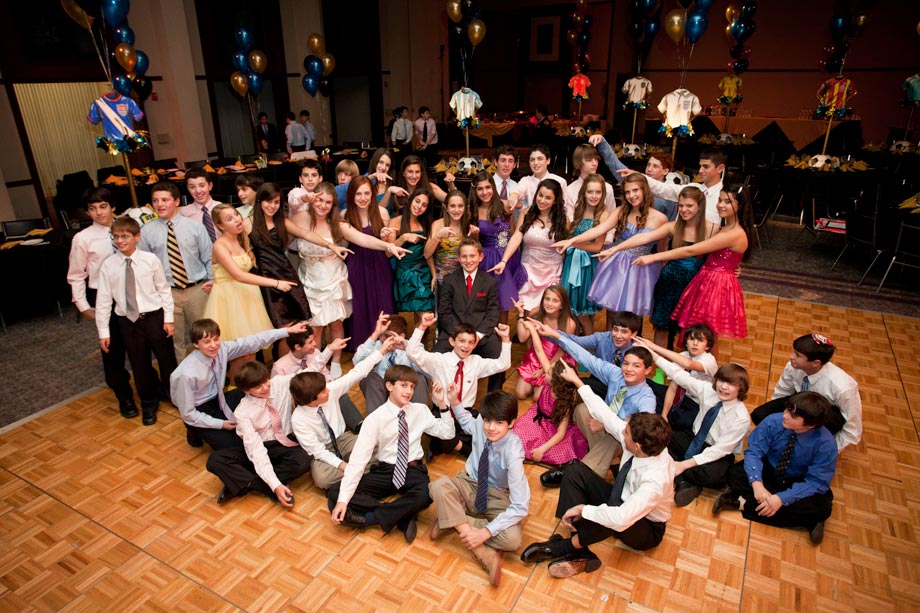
[(581, 485), (113, 360), (377, 483), (712, 474), (601, 445), (234, 468), (219, 438), (324, 474), (143, 338), (805, 513), (455, 501), (834, 423), (188, 308), (375, 392)]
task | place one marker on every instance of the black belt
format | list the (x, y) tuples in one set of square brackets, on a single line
[(143, 315), (192, 284)]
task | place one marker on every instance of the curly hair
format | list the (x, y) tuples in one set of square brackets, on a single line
[(566, 397), (557, 220)]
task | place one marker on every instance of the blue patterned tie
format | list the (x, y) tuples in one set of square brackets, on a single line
[(805, 384), (482, 483), (208, 224), (616, 494), (696, 445), (402, 452)]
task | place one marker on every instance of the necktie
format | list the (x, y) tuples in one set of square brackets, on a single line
[(335, 445), (618, 357), (618, 399), (785, 458), (208, 223), (303, 364), (221, 401), (390, 360), (275, 419), (616, 494), (424, 132), (504, 193), (696, 445), (806, 384), (469, 285), (402, 452), (112, 240), (176, 265), (482, 482), (458, 379), (131, 311)]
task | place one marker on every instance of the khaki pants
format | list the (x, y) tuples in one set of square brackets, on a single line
[(189, 307), (455, 497), (324, 474), (602, 447)]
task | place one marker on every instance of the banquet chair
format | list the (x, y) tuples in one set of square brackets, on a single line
[(906, 251), (862, 219)]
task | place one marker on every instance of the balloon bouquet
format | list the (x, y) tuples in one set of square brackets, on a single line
[(106, 23), (740, 27), (318, 65), (247, 79), (579, 36)]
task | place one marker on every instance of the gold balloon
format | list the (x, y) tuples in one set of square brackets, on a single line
[(76, 13), (328, 63), (674, 23), (732, 13), (571, 36), (316, 43), (453, 10), (257, 61), (476, 31), (126, 56), (860, 20), (728, 35), (918, 28), (238, 81), (580, 4)]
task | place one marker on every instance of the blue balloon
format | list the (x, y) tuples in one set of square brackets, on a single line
[(143, 62), (647, 6), (314, 65), (588, 20), (122, 84), (115, 11), (310, 84), (742, 29), (584, 37), (695, 25), (244, 40), (748, 9), (704, 5), (241, 61), (124, 34), (651, 29), (254, 79)]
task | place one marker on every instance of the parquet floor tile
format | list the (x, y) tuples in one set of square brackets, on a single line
[(101, 513)]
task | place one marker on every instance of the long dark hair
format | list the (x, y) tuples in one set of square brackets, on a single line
[(496, 208), (267, 193), (565, 308), (373, 209), (465, 220), (557, 230), (424, 219), (745, 213), (565, 394)]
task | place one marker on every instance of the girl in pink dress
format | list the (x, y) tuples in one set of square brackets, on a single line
[(547, 429), (543, 224), (714, 295), (556, 312)]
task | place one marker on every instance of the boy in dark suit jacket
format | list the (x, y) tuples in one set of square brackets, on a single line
[(470, 296)]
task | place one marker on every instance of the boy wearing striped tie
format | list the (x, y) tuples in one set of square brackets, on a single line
[(184, 249), (486, 504), (785, 479), (395, 429), (269, 459)]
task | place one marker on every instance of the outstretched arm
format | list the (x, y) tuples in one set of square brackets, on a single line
[(722, 240), (637, 240)]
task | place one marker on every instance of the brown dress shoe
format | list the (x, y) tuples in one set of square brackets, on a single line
[(490, 560)]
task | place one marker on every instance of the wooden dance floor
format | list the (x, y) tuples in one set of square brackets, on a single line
[(100, 513)]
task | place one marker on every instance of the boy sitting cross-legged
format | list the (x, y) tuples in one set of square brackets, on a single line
[(494, 486)]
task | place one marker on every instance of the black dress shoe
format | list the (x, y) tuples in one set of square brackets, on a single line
[(128, 408), (409, 528), (686, 493), (352, 519), (540, 552), (552, 478), (150, 417), (193, 438), (816, 534), (580, 561), (224, 495), (726, 500)]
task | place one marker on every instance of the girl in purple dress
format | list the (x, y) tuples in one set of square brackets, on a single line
[(494, 222), (714, 295), (547, 429)]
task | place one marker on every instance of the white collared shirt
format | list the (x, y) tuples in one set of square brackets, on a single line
[(671, 191), (381, 430), (89, 249), (151, 289), (197, 212)]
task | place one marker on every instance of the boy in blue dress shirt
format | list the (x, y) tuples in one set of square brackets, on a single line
[(375, 393), (493, 488), (785, 479)]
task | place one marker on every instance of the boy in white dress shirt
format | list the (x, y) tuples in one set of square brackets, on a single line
[(704, 452), (395, 429), (269, 459), (634, 509), (88, 250), (199, 185), (539, 158), (318, 420), (300, 198), (507, 188), (810, 370), (143, 311)]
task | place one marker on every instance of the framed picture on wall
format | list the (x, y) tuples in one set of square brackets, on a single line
[(544, 39)]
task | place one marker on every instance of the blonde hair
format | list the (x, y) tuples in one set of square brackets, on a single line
[(242, 238)]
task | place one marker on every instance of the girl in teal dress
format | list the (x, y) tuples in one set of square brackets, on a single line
[(412, 289), (578, 268)]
